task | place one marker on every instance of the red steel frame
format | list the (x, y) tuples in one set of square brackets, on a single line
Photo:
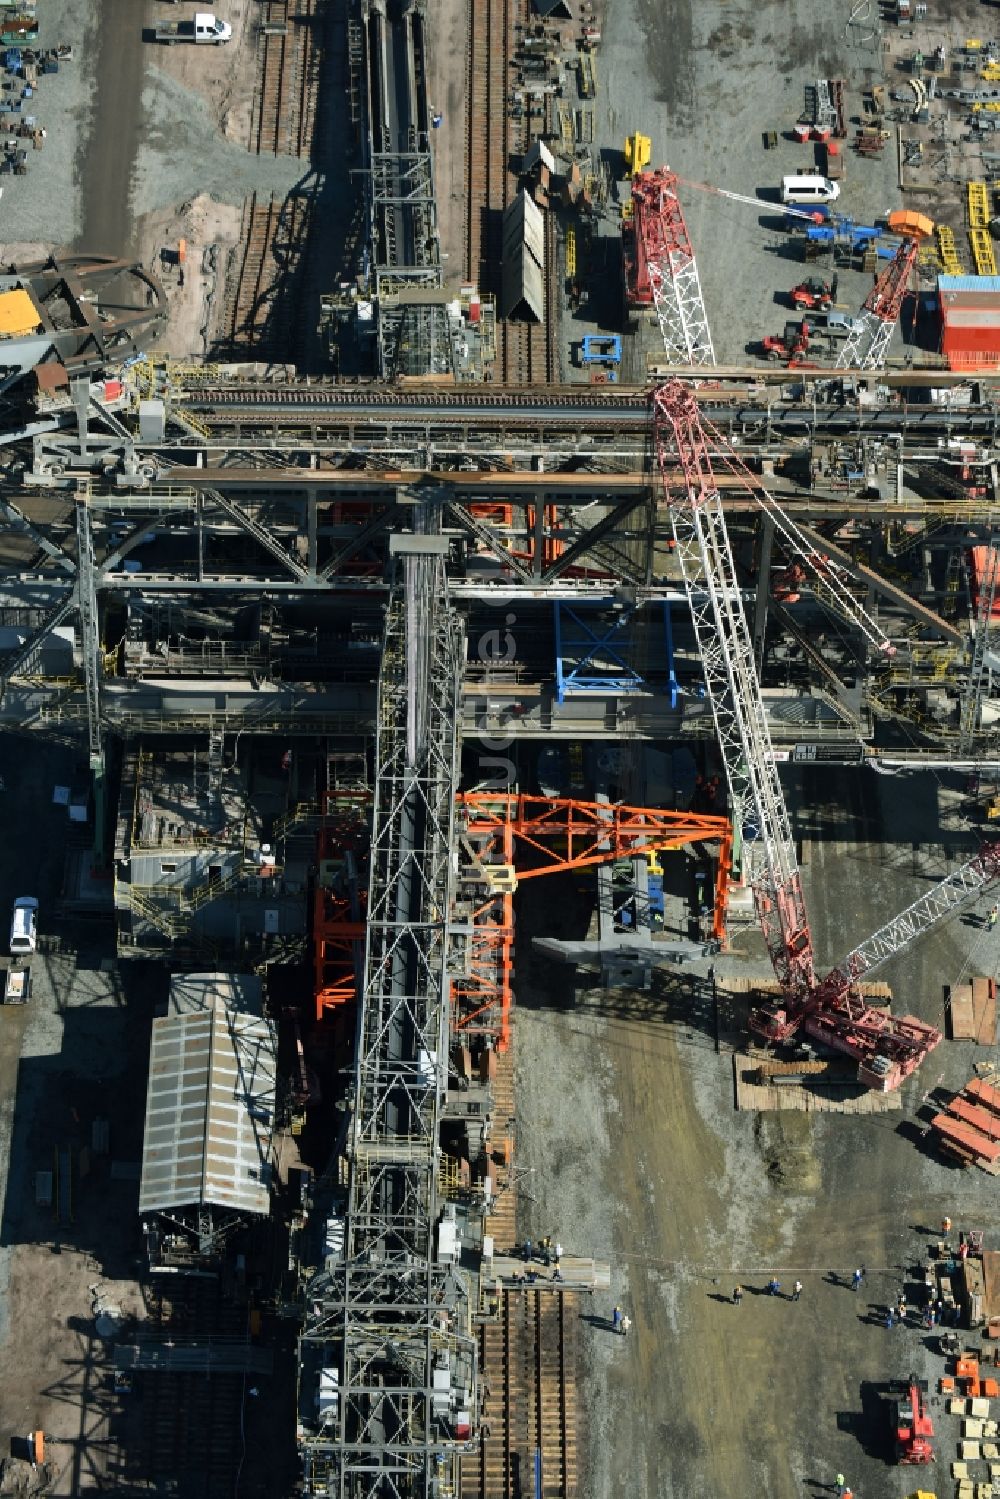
[(337, 932)]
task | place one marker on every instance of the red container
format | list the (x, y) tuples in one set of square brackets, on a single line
[(801, 132)]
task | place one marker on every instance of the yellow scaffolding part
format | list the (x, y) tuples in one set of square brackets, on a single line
[(982, 252), (947, 249), (571, 251), (979, 205)]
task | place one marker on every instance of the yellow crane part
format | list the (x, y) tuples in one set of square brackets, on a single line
[(571, 251), (638, 152), (947, 249)]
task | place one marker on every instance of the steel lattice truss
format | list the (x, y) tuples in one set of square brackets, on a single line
[(984, 645), (725, 646), (672, 269), (868, 344), (390, 1307)]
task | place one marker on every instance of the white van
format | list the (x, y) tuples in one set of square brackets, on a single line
[(809, 187), (24, 925)]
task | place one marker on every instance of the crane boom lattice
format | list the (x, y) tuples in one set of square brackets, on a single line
[(725, 645), (665, 254), (923, 913), (869, 341)]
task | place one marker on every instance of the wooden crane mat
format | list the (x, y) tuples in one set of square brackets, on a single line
[(817, 1086)]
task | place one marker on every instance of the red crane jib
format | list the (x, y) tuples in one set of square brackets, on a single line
[(885, 299), (657, 234)]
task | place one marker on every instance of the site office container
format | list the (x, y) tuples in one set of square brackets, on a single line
[(970, 321)]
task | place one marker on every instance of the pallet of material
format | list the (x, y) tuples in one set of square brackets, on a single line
[(955, 1132), (983, 1120), (813, 1092), (983, 1093), (972, 1011)]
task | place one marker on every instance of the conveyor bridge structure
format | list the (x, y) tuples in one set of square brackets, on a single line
[(388, 1326), (406, 278)]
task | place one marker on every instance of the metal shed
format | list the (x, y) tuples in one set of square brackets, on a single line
[(209, 1105), (523, 289)]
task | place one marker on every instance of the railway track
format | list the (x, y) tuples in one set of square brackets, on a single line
[(348, 397), (528, 1356), (273, 232), (526, 352)]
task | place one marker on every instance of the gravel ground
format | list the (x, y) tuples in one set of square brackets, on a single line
[(67, 1057), (637, 1155), (44, 206), (184, 153), (704, 81)]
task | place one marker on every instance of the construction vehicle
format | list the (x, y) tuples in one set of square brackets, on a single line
[(912, 1425), (638, 151), (203, 28), (814, 293), (791, 346)]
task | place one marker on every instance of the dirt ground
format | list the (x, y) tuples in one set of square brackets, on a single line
[(637, 1155)]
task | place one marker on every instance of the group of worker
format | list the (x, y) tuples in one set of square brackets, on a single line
[(548, 1251), (773, 1288)]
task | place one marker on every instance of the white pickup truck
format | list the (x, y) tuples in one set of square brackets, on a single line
[(17, 986), (204, 27)]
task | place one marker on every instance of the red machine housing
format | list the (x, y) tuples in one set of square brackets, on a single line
[(913, 1426)]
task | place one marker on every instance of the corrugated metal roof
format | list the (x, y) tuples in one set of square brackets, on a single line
[(969, 283), (209, 1111), (522, 284)]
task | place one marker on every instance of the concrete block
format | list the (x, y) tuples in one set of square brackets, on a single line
[(969, 1451), (979, 1407), (957, 1407), (959, 1470), (991, 1450), (972, 1428)]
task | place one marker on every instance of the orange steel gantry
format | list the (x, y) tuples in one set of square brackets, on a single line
[(496, 833), (505, 839)]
